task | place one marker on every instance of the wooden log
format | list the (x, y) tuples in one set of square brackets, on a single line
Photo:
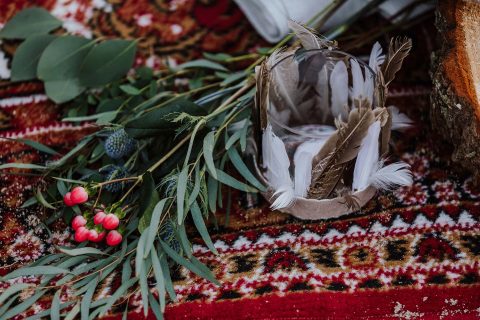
[(455, 111)]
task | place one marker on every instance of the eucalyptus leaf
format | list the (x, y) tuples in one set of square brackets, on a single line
[(30, 202), (63, 58), (107, 62), (208, 146), (201, 227), (27, 55), (232, 182), (150, 199), (154, 224), (14, 288), (29, 22), (202, 63), (41, 199), (212, 193), (181, 190), (118, 293), (22, 166), (31, 271), (87, 299), (168, 279), (187, 264), (55, 308), (19, 308), (109, 115), (81, 251), (129, 89), (60, 91), (243, 170)]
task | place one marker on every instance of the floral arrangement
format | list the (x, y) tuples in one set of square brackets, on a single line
[(163, 147)]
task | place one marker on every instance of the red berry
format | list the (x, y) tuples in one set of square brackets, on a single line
[(99, 217), (110, 221), (94, 236), (78, 221), (81, 234), (79, 195), (114, 238), (68, 200)]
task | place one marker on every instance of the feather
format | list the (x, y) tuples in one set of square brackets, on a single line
[(375, 61), (339, 88), (377, 58), (367, 158), (322, 107), (303, 165), (277, 163), (308, 37), (395, 174), (338, 150), (400, 121), (398, 50), (357, 80)]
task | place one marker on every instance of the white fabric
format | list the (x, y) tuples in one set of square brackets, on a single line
[(270, 17)]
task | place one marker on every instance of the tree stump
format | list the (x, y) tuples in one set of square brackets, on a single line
[(455, 111)]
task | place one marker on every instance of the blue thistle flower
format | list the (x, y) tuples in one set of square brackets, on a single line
[(119, 144), (167, 233), (112, 172)]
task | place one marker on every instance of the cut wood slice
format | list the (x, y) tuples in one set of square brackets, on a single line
[(456, 81)]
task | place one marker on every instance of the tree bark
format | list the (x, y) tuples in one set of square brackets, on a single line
[(455, 111)]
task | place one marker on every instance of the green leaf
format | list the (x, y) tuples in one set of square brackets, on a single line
[(157, 270), (120, 292), (28, 22), (19, 308), (208, 146), (27, 55), (81, 251), (60, 91), (212, 193), (192, 139), (157, 312), (31, 271), (234, 138), (187, 264), (37, 145), (156, 121), (14, 288), (202, 229), (22, 166), (154, 223), (181, 189), (55, 308), (41, 199), (150, 198), (69, 154), (72, 314), (126, 269), (196, 187), (232, 182), (217, 56), (182, 234), (144, 288), (202, 63), (107, 62), (140, 251), (29, 202), (167, 277), (63, 58), (129, 89), (242, 168), (87, 299), (109, 114)]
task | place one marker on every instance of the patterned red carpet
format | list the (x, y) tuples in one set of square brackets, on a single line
[(410, 254)]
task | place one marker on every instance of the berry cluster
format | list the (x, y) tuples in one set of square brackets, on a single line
[(101, 223), (96, 229)]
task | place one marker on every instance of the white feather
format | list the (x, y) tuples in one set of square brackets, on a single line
[(395, 174), (400, 121), (339, 87), (303, 165), (376, 57), (276, 163), (367, 157), (357, 80)]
